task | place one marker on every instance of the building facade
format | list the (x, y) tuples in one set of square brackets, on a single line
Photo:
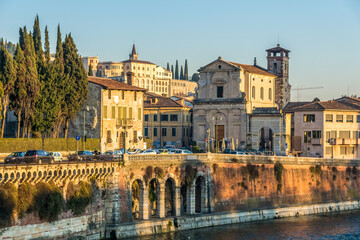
[(90, 60), (327, 129), (236, 104), (113, 112), (166, 121)]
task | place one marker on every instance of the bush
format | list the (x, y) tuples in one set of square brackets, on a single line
[(8, 202), (278, 171), (190, 175), (48, 201), (159, 172), (317, 169), (196, 149), (26, 194), (79, 197)]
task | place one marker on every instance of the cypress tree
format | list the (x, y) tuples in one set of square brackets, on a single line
[(172, 71), (186, 74), (47, 46), (90, 72), (182, 73), (37, 44), (98, 73), (77, 81), (59, 56), (177, 70), (19, 96), (7, 79), (168, 67)]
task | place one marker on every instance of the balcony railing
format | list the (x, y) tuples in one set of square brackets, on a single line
[(125, 122), (347, 141)]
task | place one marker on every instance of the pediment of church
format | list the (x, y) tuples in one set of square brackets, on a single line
[(219, 65)]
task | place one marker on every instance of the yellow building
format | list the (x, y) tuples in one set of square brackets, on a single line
[(166, 122), (111, 69), (90, 60), (325, 128)]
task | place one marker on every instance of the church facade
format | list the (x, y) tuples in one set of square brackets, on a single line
[(236, 107)]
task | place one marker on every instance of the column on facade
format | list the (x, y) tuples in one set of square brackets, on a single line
[(144, 203), (204, 197), (177, 201), (160, 205), (190, 200)]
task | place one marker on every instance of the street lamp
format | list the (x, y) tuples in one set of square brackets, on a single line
[(217, 118), (208, 142)]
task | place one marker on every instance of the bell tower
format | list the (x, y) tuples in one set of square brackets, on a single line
[(133, 55), (278, 64)]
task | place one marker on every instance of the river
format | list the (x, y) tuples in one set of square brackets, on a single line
[(327, 226)]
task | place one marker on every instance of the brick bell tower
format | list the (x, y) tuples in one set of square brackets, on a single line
[(278, 64)]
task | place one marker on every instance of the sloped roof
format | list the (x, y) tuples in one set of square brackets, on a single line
[(277, 49), (252, 69), (350, 101), (161, 101), (111, 84), (138, 61), (318, 106), (292, 105)]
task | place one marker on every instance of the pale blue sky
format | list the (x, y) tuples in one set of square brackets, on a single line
[(323, 35)]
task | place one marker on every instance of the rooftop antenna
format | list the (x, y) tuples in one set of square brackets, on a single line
[(278, 38)]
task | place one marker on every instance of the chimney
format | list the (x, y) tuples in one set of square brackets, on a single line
[(254, 61)]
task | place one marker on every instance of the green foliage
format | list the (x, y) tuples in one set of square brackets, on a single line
[(149, 171), (26, 195), (8, 202), (48, 201), (177, 70), (79, 197), (135, 190), (196, 149), (190, 175), (278, 171), (10, 47), (195, 77), (186, 71), (50, 144), (316, 170), (47, 46), (253, 171), (152, 191), (90, 72), (181, 73), (159, 172)]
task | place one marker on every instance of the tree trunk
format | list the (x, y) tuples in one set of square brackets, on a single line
[(19, 123), (4, 103), (66, 127)]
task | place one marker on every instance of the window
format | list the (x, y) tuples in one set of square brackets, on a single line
[(163, 132), (173, 132), (155, 117), (105, 112), (173, 117), (343, 150), (134, 96), (109, 95), (262, 93), (139, 113), (270, 94), (309, 117), (130, 112), (124, 113), (119, 112), (146, 117), (122, 95), (339, 118), (349, 118), (113, 112), (329, 118), (155, 131), (316, 134), (275, 67), (219, 91), (164, 117), (344, 134), (108, 136), (253, 92), (307, 137), (135, 137), (358, 118), (146, 132)]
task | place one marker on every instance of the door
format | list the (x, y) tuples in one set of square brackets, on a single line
[(121, 140)]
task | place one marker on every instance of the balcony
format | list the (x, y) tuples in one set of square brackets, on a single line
[(127, 122)]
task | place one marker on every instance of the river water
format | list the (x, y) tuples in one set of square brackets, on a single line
[(328, 226)]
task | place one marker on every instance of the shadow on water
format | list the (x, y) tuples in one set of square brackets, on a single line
[(326, 226)]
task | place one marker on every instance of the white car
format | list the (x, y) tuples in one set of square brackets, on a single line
[(146, 151), (182, 151), (133, 151), (172, 151), (57, 156), (240, 153)]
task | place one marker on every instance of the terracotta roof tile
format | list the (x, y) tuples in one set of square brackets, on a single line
[(110, 84), (160, 101), (138, 61), (252, 69), (316, 106)]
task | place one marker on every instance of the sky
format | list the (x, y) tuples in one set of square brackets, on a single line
[(323, 35)]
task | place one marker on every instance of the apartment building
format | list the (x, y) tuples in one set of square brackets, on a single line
[(324, 129)]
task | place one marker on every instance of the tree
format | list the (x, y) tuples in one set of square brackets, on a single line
[(172, 71), (316, 99), (37, 44), (90, 72), (168, 67), (47, 46), (19, 96), (7, 79), (77, 84), (186, 73), (182, 73), (177, 70), (98, 72), (195, 77)]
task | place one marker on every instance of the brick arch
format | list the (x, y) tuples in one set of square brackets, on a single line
[(172, 176)]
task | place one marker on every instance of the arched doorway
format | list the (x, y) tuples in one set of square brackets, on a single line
[(170, 197), (136, 196), (266, 139), (200, 194), (154, 198)]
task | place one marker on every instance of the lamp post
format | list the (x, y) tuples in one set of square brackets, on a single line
[(216, 118), (208, 142)]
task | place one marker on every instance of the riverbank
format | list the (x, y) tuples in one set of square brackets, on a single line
[(158, 226)]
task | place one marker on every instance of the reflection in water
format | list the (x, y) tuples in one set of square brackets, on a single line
[(329, 226)]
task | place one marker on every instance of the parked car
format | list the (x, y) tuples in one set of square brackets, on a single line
[(182, 151), (239, 153), (38, 156), (146, 151), (229, 151), (133, 150), (81, 156), (163, 151), (169, 147), (15, 157), (57, 156), (172, 150), (111, 155)]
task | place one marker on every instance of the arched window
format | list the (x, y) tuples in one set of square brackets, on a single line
[(270, 94), (262, 93), (253, 92)]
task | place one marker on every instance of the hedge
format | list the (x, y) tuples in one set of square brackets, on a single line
[(8, 145)]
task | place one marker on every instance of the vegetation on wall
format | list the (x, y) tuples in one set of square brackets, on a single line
[(48, 201), (189, 175), (79, 197), (26, 196), (278, 171), (8, 196), (159, 172), (316, 170)]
